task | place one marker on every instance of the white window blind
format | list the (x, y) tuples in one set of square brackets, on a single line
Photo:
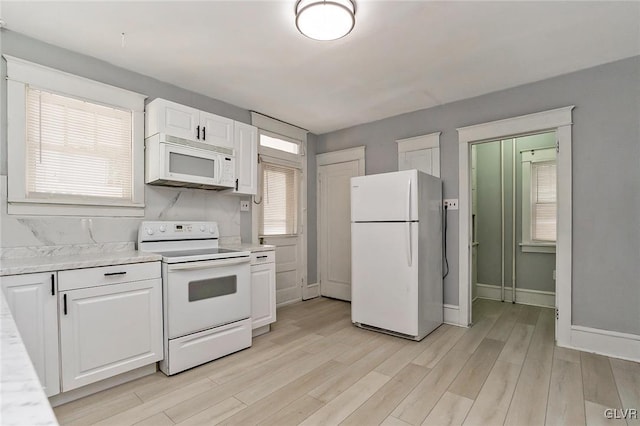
[(543, 208), (279, 200), (77, 149)]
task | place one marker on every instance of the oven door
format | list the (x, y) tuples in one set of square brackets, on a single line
[(204, 294)]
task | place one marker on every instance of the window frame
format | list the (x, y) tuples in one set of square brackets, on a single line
[(22, 73), (530, 157)]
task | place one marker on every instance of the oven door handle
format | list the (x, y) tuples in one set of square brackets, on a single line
[(207, 264)]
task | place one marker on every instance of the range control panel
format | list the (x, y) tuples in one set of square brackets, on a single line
[(169, 230)]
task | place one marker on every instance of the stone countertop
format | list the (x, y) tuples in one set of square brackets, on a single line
[(253, 248), (46, 263), (23, 399)]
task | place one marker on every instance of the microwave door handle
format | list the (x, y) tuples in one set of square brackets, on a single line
[(191, 266)]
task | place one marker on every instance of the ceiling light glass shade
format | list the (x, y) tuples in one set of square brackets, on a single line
[(325, 19)]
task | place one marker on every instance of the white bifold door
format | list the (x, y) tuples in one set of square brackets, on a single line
[(385, 275)]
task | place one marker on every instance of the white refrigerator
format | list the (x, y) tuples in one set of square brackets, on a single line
[(396, 253)]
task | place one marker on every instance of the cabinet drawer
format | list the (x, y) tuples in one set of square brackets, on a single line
[(106, 275), (263, 257)]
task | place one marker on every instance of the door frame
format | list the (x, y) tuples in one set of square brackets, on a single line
[(324, 159), (560, 121)]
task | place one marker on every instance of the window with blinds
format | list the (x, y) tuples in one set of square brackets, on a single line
[(543, 201), (279, 213), (77, 149)]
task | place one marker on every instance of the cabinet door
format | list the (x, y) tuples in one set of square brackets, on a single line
[(169, 117), (32, 300), (263, 295), (216, 130), (246, 146), (108, 330)]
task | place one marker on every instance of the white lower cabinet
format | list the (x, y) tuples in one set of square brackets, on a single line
[(263, 289), (108, 330), (32, 299)]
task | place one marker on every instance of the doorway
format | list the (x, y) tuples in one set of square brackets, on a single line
[(334, 173), (513, 219), (560, 121)]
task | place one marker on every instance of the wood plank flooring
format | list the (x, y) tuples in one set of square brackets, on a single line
[(316, 368)]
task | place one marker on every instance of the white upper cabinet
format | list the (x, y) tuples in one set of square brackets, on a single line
[(32, 299), (246, 150), (216, 130), (164, 116)]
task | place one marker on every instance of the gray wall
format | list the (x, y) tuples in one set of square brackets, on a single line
[(606, 177), (533, 270), (162, 203)]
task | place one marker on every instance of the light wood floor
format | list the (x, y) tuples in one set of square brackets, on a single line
[(316, 368)]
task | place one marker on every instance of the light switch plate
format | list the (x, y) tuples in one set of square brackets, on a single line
[(244, 206)]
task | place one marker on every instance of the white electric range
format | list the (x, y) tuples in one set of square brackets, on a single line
[(206, 292)]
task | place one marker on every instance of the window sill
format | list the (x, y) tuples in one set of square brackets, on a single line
[(538, 247), (54, 209)]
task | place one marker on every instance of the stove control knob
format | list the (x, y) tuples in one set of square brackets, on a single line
[(212, 230), (149, 231), (163, 228), (203, 228)]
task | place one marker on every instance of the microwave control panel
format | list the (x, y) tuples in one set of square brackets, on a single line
[(227, 175)]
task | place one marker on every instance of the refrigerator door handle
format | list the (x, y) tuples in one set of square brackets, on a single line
[(409, 251), (409, 238)]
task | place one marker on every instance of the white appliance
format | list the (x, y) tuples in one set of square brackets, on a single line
[(396, 253), (174, 161), (206, 293)]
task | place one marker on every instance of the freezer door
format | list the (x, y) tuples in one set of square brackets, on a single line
[(385, 197), (384, 276)]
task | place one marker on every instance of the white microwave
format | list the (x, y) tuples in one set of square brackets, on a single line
[(174, 161)]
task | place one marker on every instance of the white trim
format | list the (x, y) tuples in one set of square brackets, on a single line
[(21, 73), (560, 121), (604, 342), (416, 143), (278, 127), (26, 72), (342, 156), (524, 296), (537, 248), (451, 314), (531, 123)]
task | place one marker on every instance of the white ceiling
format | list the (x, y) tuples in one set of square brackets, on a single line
[(402, 55)]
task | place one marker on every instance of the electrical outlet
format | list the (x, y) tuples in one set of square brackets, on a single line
[(451, 203), (244, 206)]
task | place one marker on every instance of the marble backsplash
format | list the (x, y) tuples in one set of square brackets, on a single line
[(162, 203)]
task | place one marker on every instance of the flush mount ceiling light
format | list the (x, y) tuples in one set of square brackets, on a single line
[(325, 20)]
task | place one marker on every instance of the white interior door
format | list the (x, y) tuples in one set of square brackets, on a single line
[(289, 266), (334, 231), (421, 153)]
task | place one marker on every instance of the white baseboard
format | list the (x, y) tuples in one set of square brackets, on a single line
[(604, 342), (546, 299), (452, 315)]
